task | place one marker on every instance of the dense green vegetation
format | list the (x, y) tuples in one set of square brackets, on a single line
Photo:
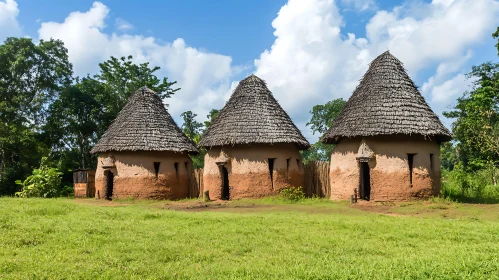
[(471, 161), (46, 112), (314, 239)]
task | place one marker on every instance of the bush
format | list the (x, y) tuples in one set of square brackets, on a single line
[(44, 182), (476, 187), (293, 193)]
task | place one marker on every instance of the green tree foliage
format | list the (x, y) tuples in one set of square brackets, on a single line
[(448, 156), (121, 77), (77, 119), (43, 182), (324, 115), (322, 118), (476, 114), (190, 127), (31, 77), (44, 112), (194, 129), (495, 35), (84, 110), (211, 117)]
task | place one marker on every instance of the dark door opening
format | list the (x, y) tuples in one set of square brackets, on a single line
[(271, 171), (109, 185), (365, 183), (225, 184), (410, 161)]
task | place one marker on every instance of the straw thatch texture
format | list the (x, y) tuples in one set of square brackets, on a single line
[(144, 125), (386, 102), (252, 115)]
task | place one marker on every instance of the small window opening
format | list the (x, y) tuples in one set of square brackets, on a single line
[(186, 167), (271, 171), (156, 168), (431, 162), (176, 168), (298, 163), (410, 160), (287, 164)]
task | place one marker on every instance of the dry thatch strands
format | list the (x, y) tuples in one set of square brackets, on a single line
[(252, 115), (386, 102), (144, 125)]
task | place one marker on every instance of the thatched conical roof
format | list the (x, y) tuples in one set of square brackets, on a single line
[(252, 115), (144, 125), (386, 102)]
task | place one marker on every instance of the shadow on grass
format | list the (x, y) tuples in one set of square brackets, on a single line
[(472, 200)]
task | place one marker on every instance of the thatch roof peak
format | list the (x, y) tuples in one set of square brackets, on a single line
[(386, 102), (252, 115), (144, 124)]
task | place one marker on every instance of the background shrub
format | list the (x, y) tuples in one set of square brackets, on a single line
[(43, 182), (293, 193)]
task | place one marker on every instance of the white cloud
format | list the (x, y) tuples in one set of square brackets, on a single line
[(8, 19), (432, 89), (449, 90), (123, 25), (203, 76), (360, 5), (444, 32), (311, 62)]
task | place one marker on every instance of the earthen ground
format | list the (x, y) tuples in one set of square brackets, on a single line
[(396, 209)]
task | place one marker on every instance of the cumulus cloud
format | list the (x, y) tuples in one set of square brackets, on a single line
[(123, 25), (203, 76), (360, 5), (311, 61), (9, 25), (432, 89)]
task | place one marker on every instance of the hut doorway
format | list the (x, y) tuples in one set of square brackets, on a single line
[(225, 183), (109, 184), (365, 182)]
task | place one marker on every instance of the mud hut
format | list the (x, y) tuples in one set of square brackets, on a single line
[(253, 146), (387, 138), (143, 154)]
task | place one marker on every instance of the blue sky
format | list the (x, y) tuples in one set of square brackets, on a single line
[(309, 52)]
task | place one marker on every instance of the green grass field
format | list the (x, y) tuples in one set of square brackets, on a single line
[(251, 239)]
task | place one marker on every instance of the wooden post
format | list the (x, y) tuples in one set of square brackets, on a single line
[(206, 196)]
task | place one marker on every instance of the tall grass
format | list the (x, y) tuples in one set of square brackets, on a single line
[(471, 187)]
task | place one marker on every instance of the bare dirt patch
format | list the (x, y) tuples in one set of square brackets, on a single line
[(102, 202), (431, 209), (242, 206)]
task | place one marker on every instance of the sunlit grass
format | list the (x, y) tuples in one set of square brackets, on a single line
[(313, 239)]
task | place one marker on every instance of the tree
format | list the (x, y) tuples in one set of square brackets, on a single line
[(190, 127), (83, 112), (193, 130), (75, 123), (121, 77), (495, 35), (212, 115), (322, 118), (31, 77), (476, 114), (448, 156), (324, 115)]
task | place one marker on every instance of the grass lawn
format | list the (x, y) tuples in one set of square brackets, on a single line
[(249, 239)]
